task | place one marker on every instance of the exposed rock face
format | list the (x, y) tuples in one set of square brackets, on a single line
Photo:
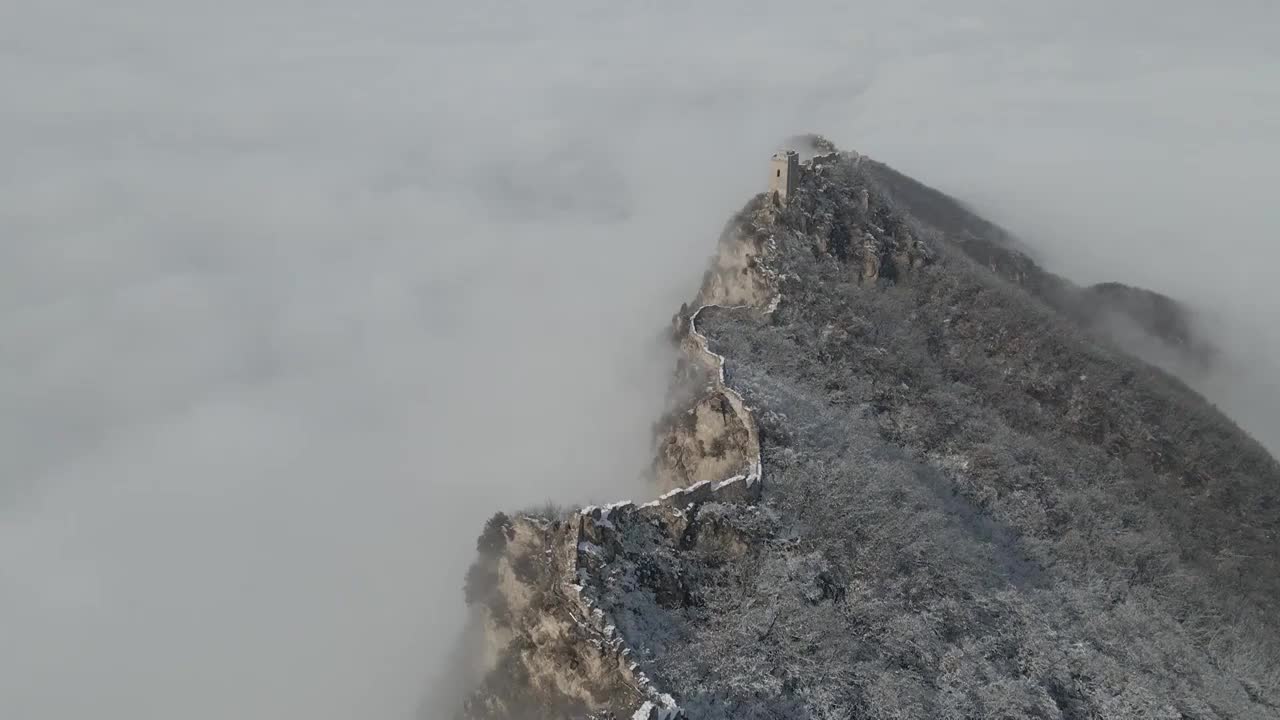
[(556, 583), (706, 442), (549, 659), (868, 238), (713, 436), (915, 477), (738, 274)]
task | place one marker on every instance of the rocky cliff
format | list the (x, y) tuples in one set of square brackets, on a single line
[(906, 472)]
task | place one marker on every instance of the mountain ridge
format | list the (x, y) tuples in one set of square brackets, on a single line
[(948, 435)]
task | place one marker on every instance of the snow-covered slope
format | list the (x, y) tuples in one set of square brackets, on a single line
[(920, 479)]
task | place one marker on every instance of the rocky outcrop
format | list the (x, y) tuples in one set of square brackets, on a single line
[(716, 436), (707, 441), (847, 222), (739, 272), (545, 660), (558, 652)]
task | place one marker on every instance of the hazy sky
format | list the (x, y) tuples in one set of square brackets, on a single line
[(294, 294)]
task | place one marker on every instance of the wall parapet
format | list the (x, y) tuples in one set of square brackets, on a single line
[(754, 473), (595, 535)]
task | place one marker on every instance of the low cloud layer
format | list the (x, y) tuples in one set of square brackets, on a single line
[(293, 295)]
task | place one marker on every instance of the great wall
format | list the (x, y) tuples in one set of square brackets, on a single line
[(596, 533), (590, 539), (717, 601), (577, 554)]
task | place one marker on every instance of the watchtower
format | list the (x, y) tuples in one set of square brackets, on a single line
[(784, 171)]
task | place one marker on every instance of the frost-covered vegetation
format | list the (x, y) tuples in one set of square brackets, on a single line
[(976, 504), (978, 510)]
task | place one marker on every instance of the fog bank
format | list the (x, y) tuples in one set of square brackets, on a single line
[(293, 295)]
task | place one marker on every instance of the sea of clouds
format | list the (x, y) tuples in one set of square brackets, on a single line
[(294, 294)]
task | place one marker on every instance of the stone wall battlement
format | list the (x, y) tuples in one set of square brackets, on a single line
[(594, 534)]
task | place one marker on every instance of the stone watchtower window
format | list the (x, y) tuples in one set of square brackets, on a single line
[(779, 173)]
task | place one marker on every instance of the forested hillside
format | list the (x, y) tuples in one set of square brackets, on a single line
[(976, 503)]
